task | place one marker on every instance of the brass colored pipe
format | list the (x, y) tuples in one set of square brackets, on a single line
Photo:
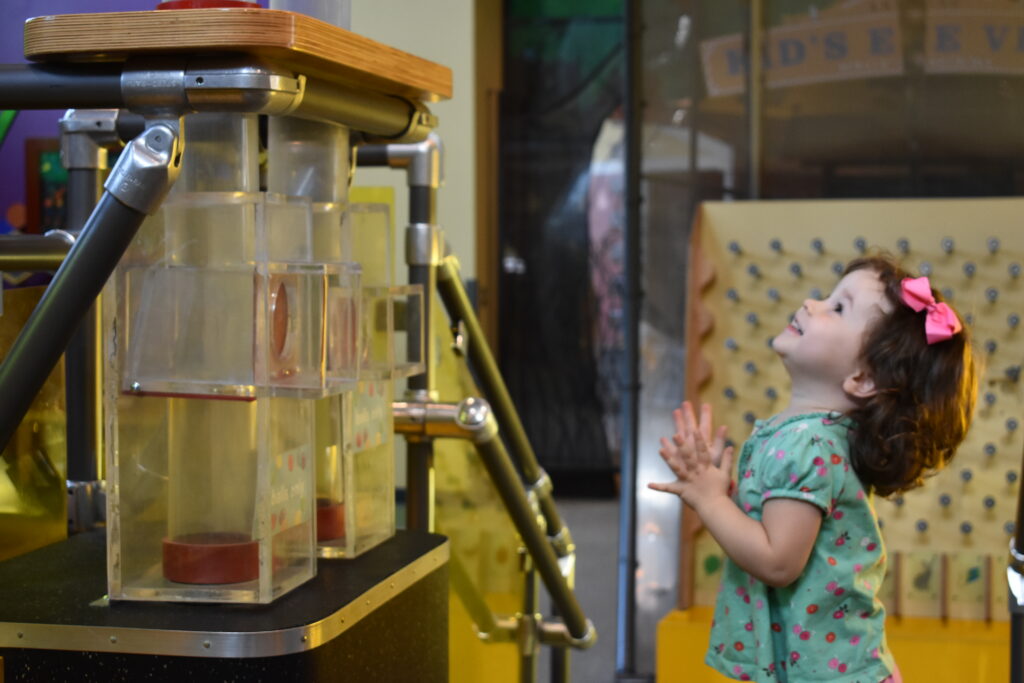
[(32, 252)]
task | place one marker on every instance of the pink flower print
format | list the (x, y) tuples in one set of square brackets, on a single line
[(833, 663), (779, 455), (748, 507), (741, 591), (837, 514), (860, 495), (759, 604), (792, 478), (855, 640), (749, 626), (842, 667), (874, 653), (822, 471), (797, 628), (819, 461), (766, 494), (748, 474), (794, 657), (841, 612), (858, 567), (843, 538), (831, 586), (737, 669)]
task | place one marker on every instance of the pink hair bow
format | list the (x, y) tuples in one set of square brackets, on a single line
[(941, 322)]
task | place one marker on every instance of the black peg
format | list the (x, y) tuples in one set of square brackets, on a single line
[(838, 267), (903, 244), (945, 500), (1011, 477), (754, 271), (776, 245), (796, 269), (993, 244), (729, 393), (966, 528), (773, 294), (990, 398), (749, 417), (990, 449), (970, 269), (735, 248), (1012, 424), (771, 393), (947, 293), (753, 319), (989, 502), (922, 525), (1012, 321), (1012, 373), (750, 368), (991, 345), (731, 344), (966, 475), (947, 245), (818, 246), (732, 295), (899, 501), (860, 244), (992, 294), (1014, 270), (815, 293), (925, 268), (1009, 528)]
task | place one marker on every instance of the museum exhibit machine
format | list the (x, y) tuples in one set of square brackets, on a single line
[(234, 334)]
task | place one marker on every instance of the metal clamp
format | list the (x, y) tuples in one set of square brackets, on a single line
[(148, 166), (85, 136), (555, 633), (423, 244), (562, 542), (474, 414)]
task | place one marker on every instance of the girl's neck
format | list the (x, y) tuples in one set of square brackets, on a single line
[(801, 403)]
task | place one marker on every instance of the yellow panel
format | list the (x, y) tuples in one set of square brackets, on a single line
[(970, 650), (33, 470)]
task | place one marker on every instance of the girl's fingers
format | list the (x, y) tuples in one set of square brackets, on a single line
[(718, 444), (705, 421), (726, 465), (701, 452)]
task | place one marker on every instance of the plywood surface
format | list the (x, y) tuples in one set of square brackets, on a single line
[(297, 41)]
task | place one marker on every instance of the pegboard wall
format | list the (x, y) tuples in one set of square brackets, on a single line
[(753, 264)]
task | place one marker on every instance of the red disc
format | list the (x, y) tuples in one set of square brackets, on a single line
[(206, 4), (211, 558), (330, 520)]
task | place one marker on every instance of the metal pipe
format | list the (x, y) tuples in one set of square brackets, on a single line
[(456, 301), (476, 416), (33, 252), (625, 643), (379, 115), (35, 86)]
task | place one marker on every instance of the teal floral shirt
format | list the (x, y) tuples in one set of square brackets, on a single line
[(828, 625)]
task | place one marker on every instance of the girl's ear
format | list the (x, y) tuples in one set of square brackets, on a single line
[(860, 385)]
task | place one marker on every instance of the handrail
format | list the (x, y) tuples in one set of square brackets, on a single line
[(456, 301), (474, 420)]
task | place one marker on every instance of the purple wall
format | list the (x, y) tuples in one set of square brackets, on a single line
[(35, 124)]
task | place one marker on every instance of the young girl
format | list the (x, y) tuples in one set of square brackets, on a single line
[(883, 389)]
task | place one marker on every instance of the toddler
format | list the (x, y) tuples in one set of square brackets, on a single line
[(883, 389)]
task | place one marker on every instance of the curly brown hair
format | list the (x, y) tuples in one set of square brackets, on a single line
[(926, 392)]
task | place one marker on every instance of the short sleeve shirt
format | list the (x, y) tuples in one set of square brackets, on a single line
[(828, 625)]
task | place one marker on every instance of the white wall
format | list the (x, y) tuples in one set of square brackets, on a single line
[(441, 31)]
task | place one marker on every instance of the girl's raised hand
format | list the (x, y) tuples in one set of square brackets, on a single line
[(698, 476), (686, 423)]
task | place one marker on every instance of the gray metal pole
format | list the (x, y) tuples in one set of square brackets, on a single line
[(33, 86)]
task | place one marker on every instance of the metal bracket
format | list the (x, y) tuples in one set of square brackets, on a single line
[(85, 136), (423, 244), (148, 166)]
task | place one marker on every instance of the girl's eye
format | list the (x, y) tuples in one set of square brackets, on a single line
[(838, 308)]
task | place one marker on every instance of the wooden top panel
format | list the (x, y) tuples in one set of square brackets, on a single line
[(308, 45)]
